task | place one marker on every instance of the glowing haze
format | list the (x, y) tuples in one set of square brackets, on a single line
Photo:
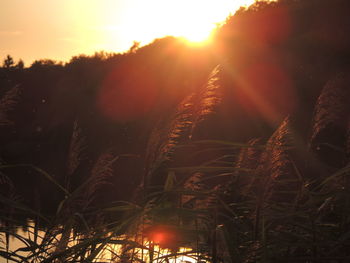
[(57, 30)]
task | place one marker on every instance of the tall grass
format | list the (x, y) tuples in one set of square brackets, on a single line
[(224, 222), (73, 239), (7, 103)]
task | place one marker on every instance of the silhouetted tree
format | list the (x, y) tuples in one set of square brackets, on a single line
[(20, 64), (134, 47), (8, 62)]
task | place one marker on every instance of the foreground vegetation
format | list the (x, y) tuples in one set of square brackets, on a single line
[(248, 165)]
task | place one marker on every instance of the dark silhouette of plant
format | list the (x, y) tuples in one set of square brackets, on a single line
[(7, 104), (8, 62)]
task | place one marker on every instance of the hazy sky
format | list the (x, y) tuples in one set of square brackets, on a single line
[(59, 29)]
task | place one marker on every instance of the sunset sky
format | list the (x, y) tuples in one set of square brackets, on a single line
[(37, 29)]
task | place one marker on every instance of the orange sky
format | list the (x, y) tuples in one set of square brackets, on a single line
[(36, 29)]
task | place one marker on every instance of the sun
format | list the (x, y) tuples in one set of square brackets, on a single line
[(195, 20), (197, 35), (144, 21)]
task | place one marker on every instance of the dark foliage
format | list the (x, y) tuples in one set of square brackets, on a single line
[(67, 115)]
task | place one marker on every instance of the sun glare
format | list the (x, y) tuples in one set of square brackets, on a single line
[(196, 19), (192, 19), (196, 34), (68, 28), (144, 21)]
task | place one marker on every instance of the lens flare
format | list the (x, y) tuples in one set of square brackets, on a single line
[(128, 93)]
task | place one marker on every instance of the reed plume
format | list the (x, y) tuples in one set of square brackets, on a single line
[(101, 175), (179, 129), (7, 103), (75, 153), (330, 121)]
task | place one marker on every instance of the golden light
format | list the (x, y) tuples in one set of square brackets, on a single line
[(192, 19), (61, 29), (123, 22)]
